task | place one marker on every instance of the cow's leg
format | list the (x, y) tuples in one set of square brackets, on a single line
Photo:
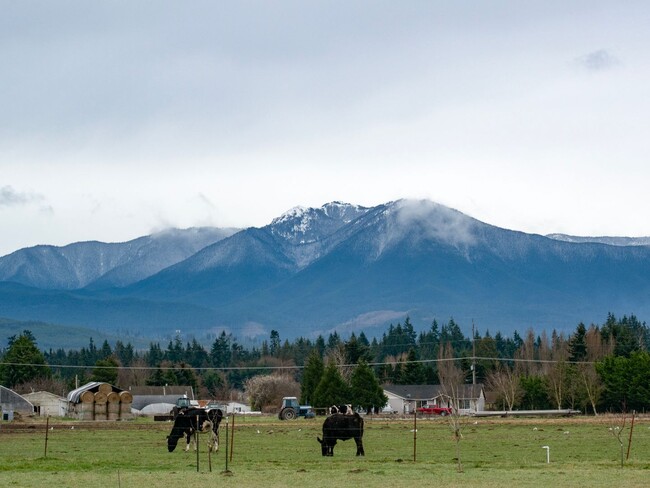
[(213, 443), (190, 439), (359, 442)]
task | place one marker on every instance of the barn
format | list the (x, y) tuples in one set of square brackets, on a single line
[(153, 400), (12, 403), (47, 404), (100, 401)]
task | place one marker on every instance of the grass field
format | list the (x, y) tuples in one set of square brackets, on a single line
[(270, 453)]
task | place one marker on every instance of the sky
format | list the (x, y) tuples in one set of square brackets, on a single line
[(123, 118)]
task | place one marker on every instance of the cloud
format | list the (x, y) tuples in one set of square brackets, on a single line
[(375, 318), (9, 197), (431, 221), (599, 60)]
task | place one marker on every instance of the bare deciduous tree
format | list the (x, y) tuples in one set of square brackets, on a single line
[(617, 428), (506, 382), (265, 392), (555, 367), (452, 379), (338, 357), (596, 350), (135, 375)]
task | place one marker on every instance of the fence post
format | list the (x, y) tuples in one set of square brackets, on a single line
[(196, 440), (47, 430)]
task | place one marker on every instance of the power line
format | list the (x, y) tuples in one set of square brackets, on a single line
[(293, 367)]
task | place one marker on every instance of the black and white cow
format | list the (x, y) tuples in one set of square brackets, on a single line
[(343, 409), (341, 427), (191, 420)]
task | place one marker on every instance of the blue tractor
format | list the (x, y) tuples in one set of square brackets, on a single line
[(291, 409)]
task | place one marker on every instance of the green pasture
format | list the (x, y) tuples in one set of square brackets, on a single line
[(270, 453)]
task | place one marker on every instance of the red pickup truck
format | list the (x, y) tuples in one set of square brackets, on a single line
[(435, 410)]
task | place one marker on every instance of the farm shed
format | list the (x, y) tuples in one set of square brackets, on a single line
[(11, 403), (46, 403), (236, 407), (100, 401), (406, 399), (149, 395)]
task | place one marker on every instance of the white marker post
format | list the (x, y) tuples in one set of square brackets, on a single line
[(548, 454)]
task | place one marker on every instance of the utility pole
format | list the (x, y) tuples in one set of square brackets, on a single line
[(473, 354)]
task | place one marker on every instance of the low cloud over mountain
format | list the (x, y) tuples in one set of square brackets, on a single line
[(339, 267)]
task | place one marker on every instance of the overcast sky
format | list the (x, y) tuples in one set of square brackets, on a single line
[(120, 118)]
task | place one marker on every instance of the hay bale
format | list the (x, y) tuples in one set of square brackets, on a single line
[(100, 397), (86, 411), (105, 388), (100, 411), (126, 397), (113, 410), (113, 397), (87, 397)]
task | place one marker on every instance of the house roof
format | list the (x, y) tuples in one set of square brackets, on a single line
[(428, 392), (413, 392), (93, 386), (175, 390), (38, 395)]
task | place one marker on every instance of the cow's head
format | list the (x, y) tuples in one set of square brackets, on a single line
[(215, 415), (172, 441), (327, 447)]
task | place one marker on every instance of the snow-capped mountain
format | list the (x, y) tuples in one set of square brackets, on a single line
[(101, 264), (348, 268)]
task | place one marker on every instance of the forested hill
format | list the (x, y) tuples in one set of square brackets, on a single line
[(594, 367)]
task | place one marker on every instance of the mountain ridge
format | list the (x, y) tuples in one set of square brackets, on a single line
[(345, 268)]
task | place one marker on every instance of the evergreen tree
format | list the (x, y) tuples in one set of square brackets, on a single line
[(320, 345), (578, 344), (105, 351), (155, 355), (409, 333), (311, 377), (333, 341), (274, 343), (174, 351), (412, 372), (356, 351), (196, 355), (24, 362), (105, 371), (125, 354), (365, 390), (214, 383), (332, 389), (627, 381)]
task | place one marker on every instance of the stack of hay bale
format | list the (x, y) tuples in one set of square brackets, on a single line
[(100, 401)]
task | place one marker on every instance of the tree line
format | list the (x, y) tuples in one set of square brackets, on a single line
[(602, 367)]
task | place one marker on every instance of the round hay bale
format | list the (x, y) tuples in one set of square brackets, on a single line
[(100, 410), (87, 397), (101, 397), (126, 397), (87, 411), (113, 397), (113, 410), (105, 388)]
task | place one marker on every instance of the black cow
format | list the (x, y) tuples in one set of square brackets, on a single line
[(191, 420), (341, 427)]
